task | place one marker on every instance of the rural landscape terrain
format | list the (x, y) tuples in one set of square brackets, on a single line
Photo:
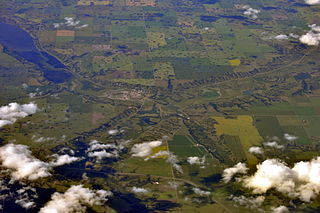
[(160, 106)]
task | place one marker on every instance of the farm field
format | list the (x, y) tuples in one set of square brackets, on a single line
[(159, 106)]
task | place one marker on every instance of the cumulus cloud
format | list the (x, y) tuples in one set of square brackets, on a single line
[(99, 155), (113, 131), (139, 190), (100, 151), (273, 144), (174, 161), (41, 139), (159, 154), (74, 200), (26, 197), (311, 38), (289, 137), (280, 209), (18, 158), (22, 195), (201, 192), (196, 160), (13, 111), (230, 172), (281, 37), (252, 13), (144, 149), (83, 26), (70, 22), (312, 2), (255, 150), (248, 202), (292, 35), (22, 165), (64, 159), (301, 181)]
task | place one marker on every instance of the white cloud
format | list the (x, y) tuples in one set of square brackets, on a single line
[(255, 150), (13, 111), (280, 209), (196, 160), (96, 145), (144, 149), (64, 159), (22, 165), (100, 151), (302, 181), (139, 190), (22, 195), (312, 2), (74, 199), (113, 132), (99, 155), (18, 158), (273, 144), (290, 137), (292, 35), (70, 22), (201, 192), (41, 139), (25, 203), (173, 160), (161, 153), (249, 202), (25, 86), (82, 26), (230, 172), (252, 13), (56, 25), (25, 197), (311, 38), (281, 37)]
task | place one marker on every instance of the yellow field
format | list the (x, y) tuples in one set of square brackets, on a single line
[(64, 51), (243, 127), (163, 70), (235, 62), (156, 39), (159, 149), (94, 2), (288, 120)]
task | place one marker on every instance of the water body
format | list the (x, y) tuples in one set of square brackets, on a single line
[(16, 38), (209, 18), (302, 76), (20, 44)]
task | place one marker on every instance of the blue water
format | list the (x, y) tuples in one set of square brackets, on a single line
[(209, 18), (16, 38), (20, 44), (302, 76)]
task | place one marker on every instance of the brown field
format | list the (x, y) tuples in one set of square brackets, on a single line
[(140, 3), (96, 117), (67, 33), (279, 17), (47, 36)]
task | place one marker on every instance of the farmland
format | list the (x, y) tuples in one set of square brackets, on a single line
[(207, 78)]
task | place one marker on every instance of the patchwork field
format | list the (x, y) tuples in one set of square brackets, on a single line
[(208, 78)]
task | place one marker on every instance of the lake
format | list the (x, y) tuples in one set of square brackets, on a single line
[(21, 44)]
